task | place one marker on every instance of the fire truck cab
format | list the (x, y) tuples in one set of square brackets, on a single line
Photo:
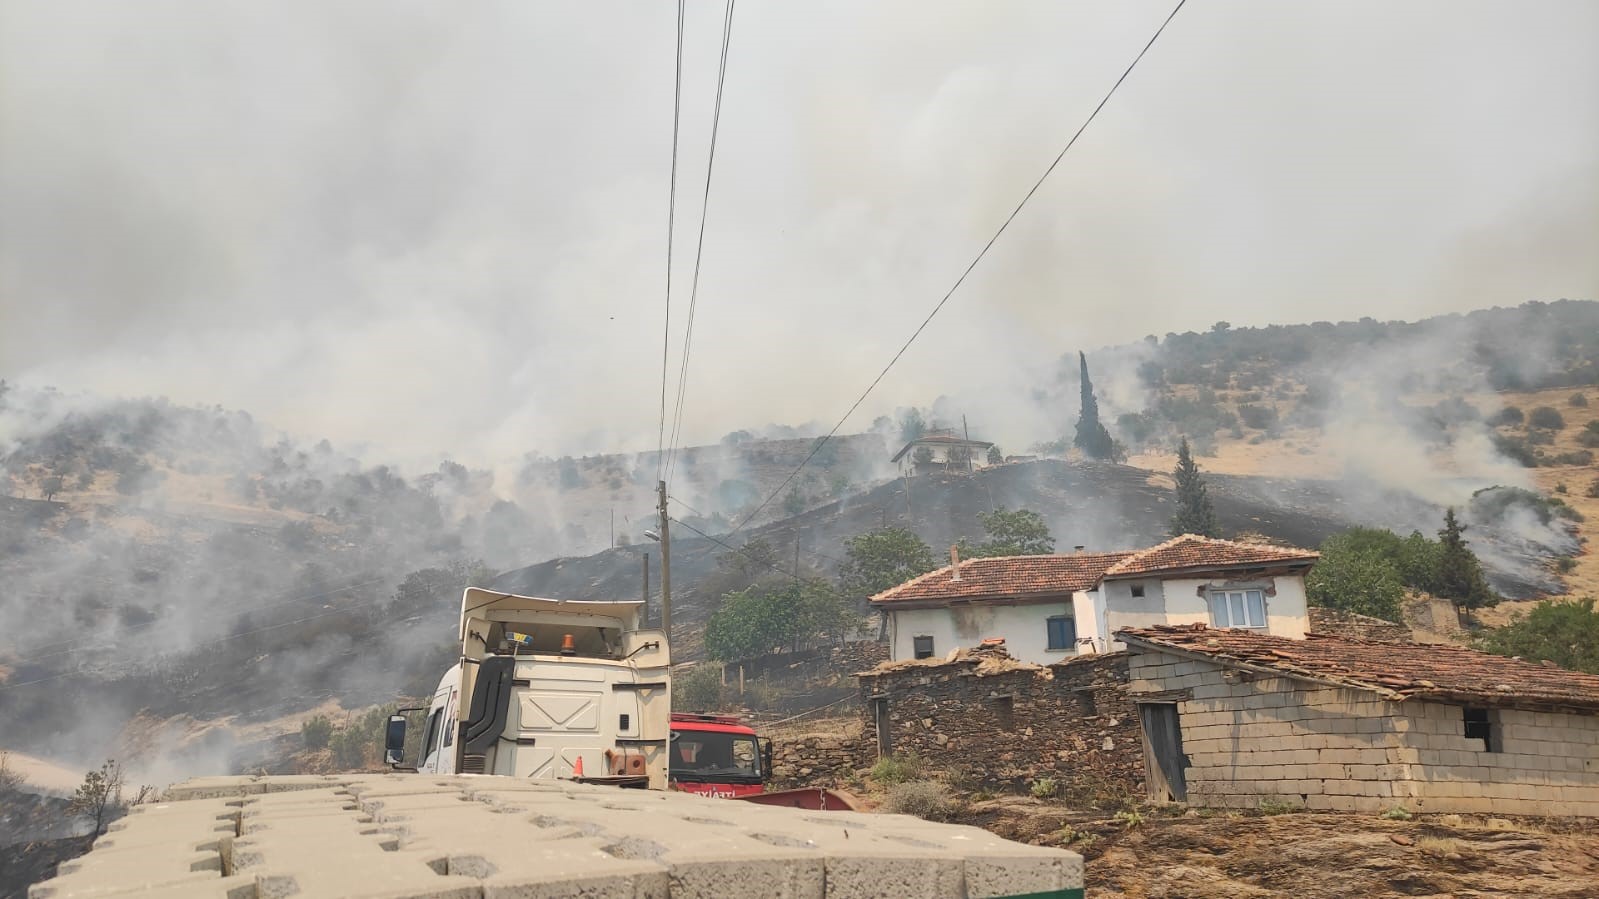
[(717, 755)]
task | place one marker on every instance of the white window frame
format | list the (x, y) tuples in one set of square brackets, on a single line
[(1237, 609)]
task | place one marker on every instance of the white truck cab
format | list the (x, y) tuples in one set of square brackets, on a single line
[(547, 689)]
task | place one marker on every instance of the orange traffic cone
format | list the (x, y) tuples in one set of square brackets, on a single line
[(577, 767)]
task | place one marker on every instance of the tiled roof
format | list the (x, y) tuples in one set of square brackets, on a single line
[(1003, 576), (1191, 551), (1398, 671)]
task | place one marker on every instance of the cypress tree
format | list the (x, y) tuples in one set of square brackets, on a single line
[(1459, 577), (1195, 515), (1092, 438)]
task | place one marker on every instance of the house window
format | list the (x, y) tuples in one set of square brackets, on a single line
[(1062, 632), (1480, 725), (1238, 608), (923, 647), (1138, 591)]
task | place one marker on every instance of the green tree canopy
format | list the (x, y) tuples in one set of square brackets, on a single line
[(878, 560), (1566, 633), (1354, 576), (765, 619), (1195, 514), (1091, 438), (1022, 532)]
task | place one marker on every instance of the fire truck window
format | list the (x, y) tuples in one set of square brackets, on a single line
[(744, 754)]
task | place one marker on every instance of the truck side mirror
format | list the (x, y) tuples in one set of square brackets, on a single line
[(394, 742), (766, 757)]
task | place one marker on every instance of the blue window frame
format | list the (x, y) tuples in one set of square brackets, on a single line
[(1062, 632)]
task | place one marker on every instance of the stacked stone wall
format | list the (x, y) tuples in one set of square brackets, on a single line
[(1071, 722), (1256, 739), (828, 758), (1339, 623)]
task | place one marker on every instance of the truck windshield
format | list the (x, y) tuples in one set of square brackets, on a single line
[(710, 757)]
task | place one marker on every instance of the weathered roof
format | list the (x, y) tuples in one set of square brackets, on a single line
[(1191, 551), (1002, 576), (940, 440), (1397, 671)]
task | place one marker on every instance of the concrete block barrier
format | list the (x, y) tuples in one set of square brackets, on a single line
[(487, 837)]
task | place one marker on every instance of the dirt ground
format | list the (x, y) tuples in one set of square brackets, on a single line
[(1308, 856)]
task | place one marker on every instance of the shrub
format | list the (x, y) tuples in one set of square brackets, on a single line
[(316, 732), (1397, 813), (698, 689), (1579, 400), (1516, 449), (1506, 417), (1129, 818), (1546, 417), (1565, 564), (1261, 418), (1276, 806), (1540, 437), (1589, 439), (1565, 633), (922, 798), (1579, 459), (1593, 489), (1044, 788), (896, 769)]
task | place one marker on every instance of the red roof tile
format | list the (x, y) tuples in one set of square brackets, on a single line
[(1191, 551), (942, 440), (1005, 576), (1396, 670)]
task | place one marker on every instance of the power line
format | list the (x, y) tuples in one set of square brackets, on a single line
[(671, 229), (962, 279), (753, 558), (795, 531), (699, 250)]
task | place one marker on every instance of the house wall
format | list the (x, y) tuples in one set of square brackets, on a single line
[(1547, 763), (1181, 601), (1022, 626), (1345, 749), (1071, 721)]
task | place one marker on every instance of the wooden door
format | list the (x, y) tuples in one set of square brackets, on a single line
[(1164, 762)]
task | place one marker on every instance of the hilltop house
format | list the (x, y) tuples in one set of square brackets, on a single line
[(1048, 608), (1237, 717), (941, 451)]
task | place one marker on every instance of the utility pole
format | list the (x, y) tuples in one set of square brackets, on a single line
[(646, 616), (666, 565)]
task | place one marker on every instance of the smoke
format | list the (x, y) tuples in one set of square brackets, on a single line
[(421, 229)]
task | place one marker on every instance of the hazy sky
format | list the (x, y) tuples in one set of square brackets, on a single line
[(441, 226)]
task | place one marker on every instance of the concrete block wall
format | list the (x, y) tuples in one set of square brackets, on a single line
[(1546, 763), (1071, 722), (1276, 739)]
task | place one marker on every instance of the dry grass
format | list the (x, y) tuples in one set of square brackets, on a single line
[(1446, 847)]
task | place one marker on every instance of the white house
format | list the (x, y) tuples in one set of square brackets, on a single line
[(942, 451), (1050, 607)]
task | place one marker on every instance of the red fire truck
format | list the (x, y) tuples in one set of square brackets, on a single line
[(721, 756), (717, 755)]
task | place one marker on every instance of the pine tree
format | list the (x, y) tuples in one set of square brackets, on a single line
[(1092, 438), (1459, 574), (1195, 515)]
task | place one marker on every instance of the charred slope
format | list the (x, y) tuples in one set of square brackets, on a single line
[(1096, 505), (1099, 506)]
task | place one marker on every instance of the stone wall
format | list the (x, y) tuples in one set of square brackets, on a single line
[(1010, 724), (1339, 623), (819, 758), (1253, 738)]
